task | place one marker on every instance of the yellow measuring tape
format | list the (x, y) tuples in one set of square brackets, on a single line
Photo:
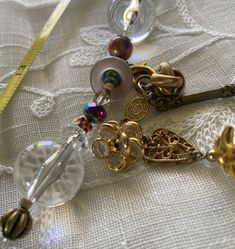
[(21, 71)]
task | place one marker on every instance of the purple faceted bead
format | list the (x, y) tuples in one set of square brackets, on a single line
[(96, 113)]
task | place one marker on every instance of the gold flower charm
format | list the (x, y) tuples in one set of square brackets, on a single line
[(224, 151), (120, 143)]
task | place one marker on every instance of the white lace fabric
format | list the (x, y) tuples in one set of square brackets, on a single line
[(183, 206)]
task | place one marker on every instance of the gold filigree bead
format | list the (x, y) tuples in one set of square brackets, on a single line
[(225, 150)]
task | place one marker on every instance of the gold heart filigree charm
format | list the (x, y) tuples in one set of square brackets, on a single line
[(166, 146), (120, 143)]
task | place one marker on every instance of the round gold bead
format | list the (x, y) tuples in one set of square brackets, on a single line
[(211, 156)]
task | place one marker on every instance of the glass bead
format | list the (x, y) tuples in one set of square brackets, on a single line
[(94, 112), (136, 148), (117, 161), (81, 141), (84, 124), (109, 131), (47, 160), (121, 46), (69, 130), (111, 76), (141, 27), (100, 148), (103, 98)]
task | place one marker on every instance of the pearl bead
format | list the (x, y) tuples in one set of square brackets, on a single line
[(121, 46)]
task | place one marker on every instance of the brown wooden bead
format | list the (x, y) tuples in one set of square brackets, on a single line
[(121, 46)]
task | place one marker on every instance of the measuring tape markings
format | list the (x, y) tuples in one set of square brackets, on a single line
[(26, 63)]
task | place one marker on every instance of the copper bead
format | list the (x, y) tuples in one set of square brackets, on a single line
[(121, 46)]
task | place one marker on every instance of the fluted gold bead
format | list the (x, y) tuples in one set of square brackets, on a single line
[(17, 222)]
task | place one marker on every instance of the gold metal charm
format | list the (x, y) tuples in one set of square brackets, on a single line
[(166, 146), (162, 81), (17, 223), (120, 143), (168, 80), (137, 109), (139, 70), (224, 151), (163, 87)]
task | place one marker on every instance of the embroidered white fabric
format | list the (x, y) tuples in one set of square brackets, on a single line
[(184, 206)]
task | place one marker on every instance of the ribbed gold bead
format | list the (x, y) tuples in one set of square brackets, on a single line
[(16, 223)]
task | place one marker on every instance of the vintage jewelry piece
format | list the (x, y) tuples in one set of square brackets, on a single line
[(50, 174), (163, 87), (160, 86), (123, 143)]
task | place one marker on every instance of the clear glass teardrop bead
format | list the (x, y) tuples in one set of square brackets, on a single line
[(49, 173)]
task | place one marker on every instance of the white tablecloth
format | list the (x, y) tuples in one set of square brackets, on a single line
[(184, 206)]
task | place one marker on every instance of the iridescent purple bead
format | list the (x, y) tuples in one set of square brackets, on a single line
[(94, 112)]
